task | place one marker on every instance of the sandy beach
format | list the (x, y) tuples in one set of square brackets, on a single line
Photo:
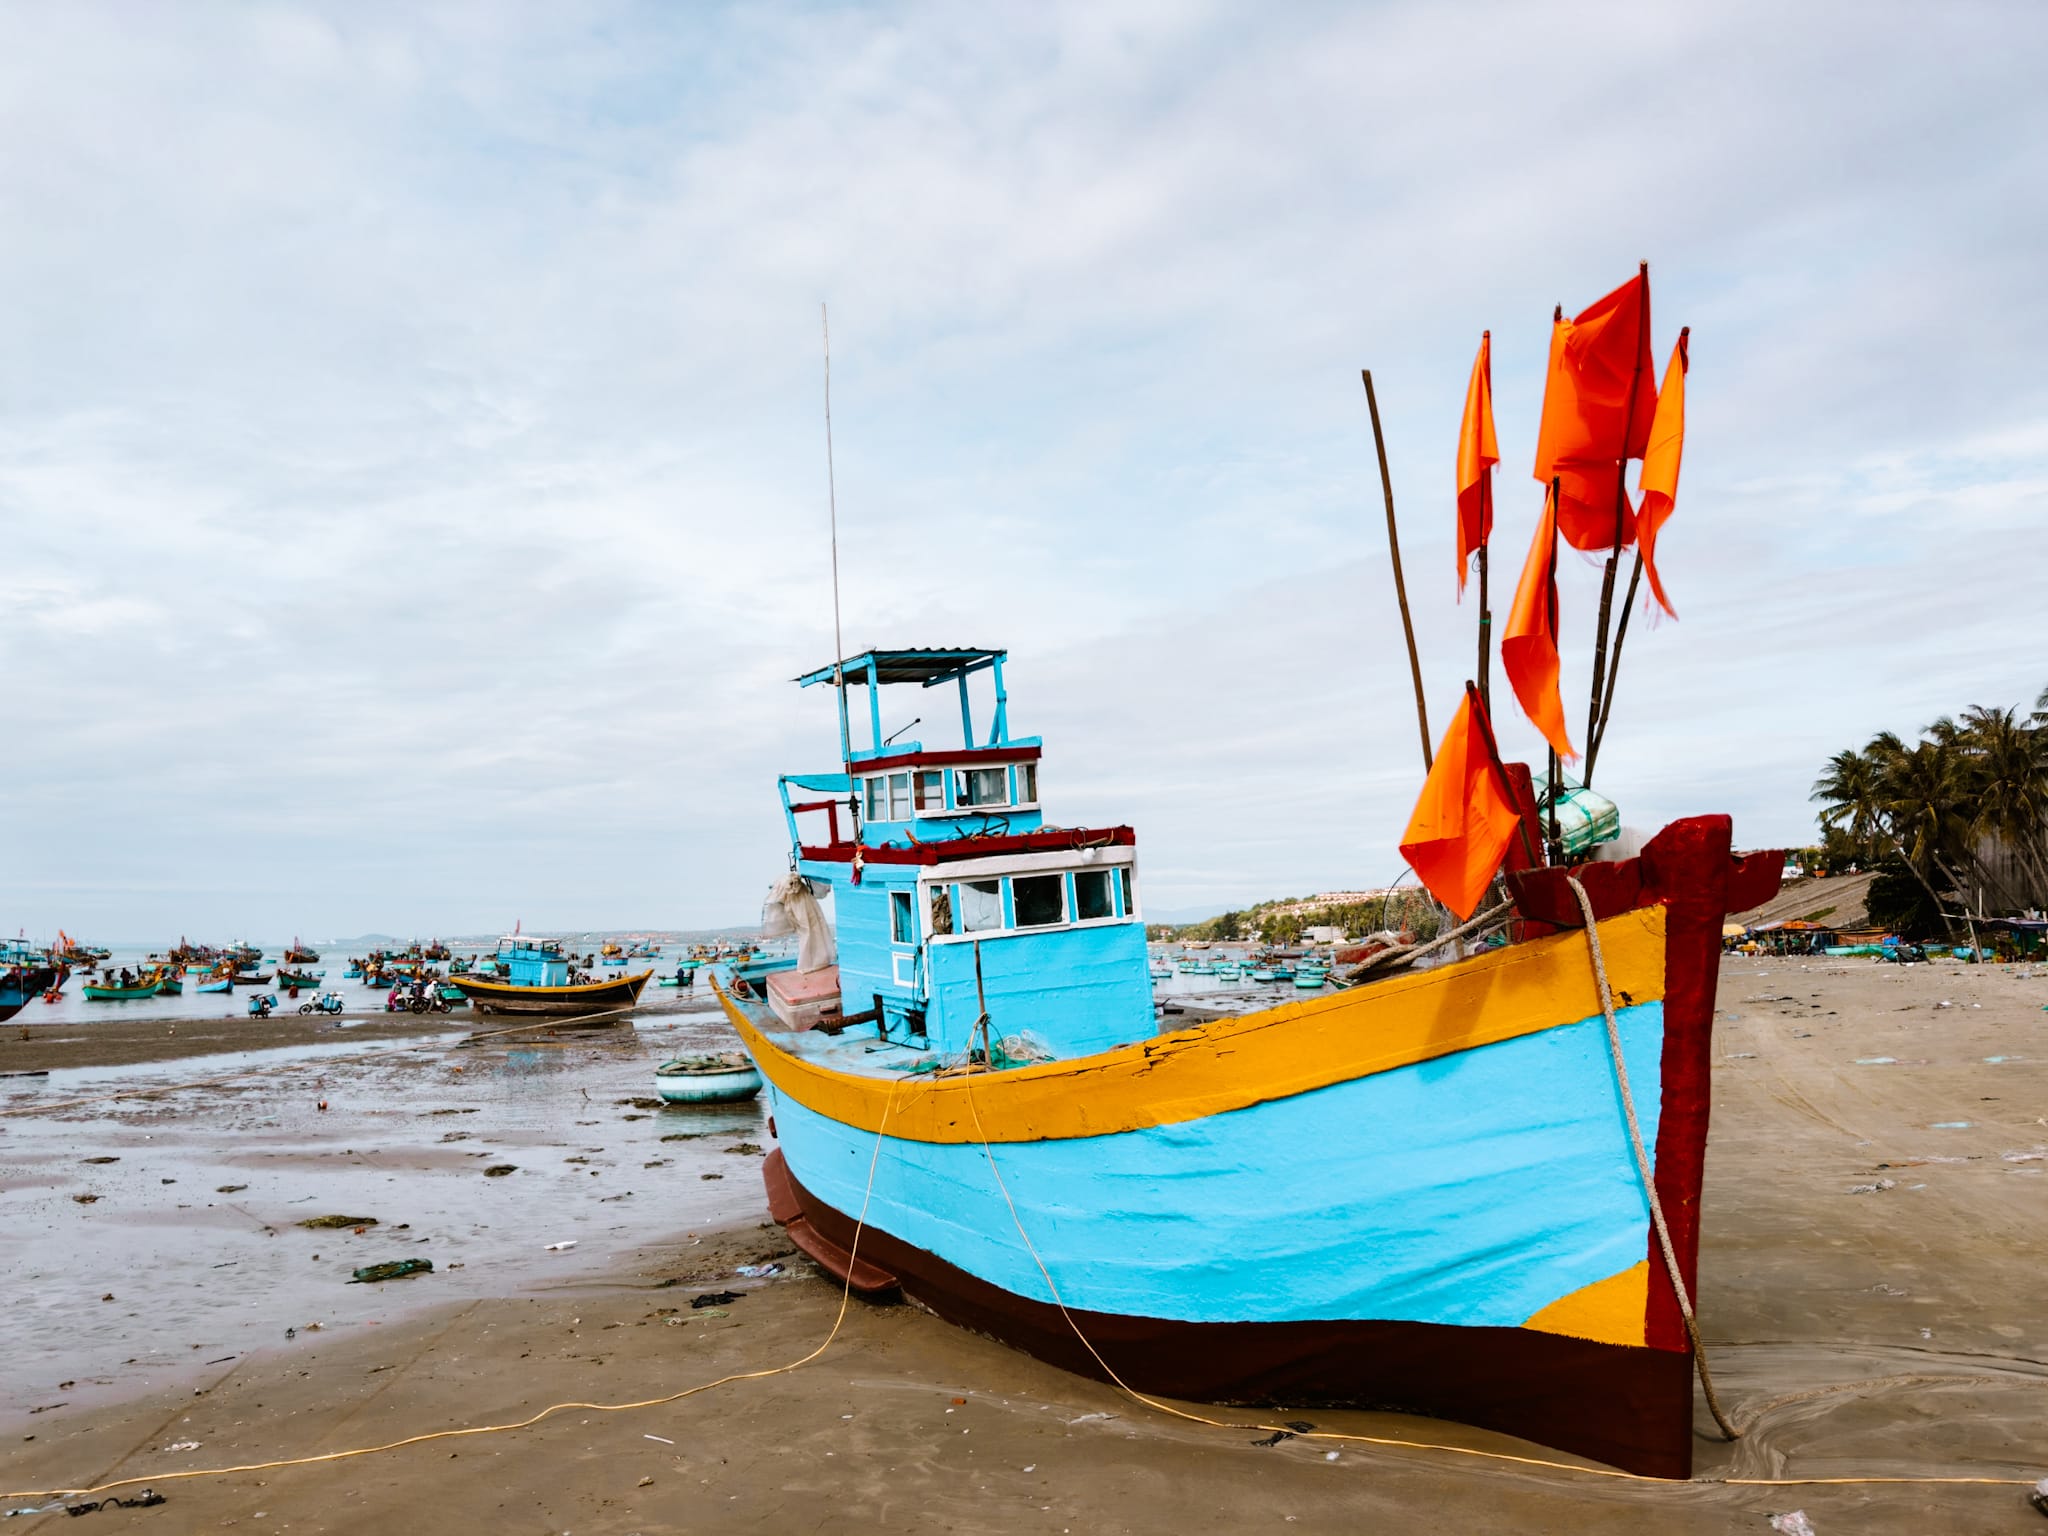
[(1871, 1293)]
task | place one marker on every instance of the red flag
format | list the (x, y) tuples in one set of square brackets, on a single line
[(1464, 819), (1659, 483), (1528, 646), (1477, 454), (1598, 404)]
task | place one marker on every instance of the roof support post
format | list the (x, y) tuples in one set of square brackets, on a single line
[(966, 715), (874, 706), (1000, 731)]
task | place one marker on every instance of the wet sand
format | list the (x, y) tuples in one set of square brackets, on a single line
[(1872, 1293)]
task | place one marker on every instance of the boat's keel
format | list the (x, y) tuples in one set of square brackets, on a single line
[(1628, 1407)]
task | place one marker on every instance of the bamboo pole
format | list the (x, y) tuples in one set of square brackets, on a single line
[(1614, 665), (1614, 555), (1379, 440)]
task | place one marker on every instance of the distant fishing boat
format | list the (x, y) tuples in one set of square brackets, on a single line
[(25, 974), (298, 954), (305, 981), (252, 978), (1469, 1237), (727, 1079), (171, 986), (213, 984), (540, 980), (116, 993)]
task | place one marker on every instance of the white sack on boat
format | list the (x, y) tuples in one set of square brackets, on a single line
[(792, 909)]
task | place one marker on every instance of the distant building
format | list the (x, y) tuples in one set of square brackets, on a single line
[(1323, 935)]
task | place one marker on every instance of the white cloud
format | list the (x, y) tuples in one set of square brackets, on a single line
[(412, 468)]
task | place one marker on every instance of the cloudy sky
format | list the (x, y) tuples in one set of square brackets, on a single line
[(412, 467)]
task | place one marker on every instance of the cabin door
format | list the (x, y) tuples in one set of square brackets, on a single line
[(903, 940)]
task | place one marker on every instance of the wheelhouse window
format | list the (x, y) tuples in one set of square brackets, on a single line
[(1091, 895), (1124, 877), (981, 905), (1041, 900), (877, 800), (902, 918), (899, 797), (928, 787), (942, 910), (981, 786), (887, 797), (1027, 783)]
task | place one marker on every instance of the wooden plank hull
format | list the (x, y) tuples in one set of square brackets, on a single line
[(552, 1002), (1414, 1195)]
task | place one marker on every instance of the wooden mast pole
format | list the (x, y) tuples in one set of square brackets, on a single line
[(1400, 587), (1620, 512), (1486, 493)]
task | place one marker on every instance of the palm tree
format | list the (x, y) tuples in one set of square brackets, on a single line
[(1847, 791), (2008, 790)]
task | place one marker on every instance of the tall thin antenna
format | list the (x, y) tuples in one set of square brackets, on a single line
[(832, 498)]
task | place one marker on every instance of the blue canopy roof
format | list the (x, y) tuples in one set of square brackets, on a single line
[(921, 666)]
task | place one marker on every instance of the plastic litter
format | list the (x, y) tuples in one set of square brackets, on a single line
[(714, 1299), (758, 1271), (1793, 1523), (2039, 1497), (322, 1223), (397, 1269), (149, 1498), (499, 1170), (1871, 1189), (562, 1247)]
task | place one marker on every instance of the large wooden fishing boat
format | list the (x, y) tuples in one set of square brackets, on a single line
[(535, 977), (1419, 1194)]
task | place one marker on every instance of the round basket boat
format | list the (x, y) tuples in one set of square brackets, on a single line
[(707, 1080)]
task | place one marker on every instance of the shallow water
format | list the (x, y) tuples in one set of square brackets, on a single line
[(190, 1252)]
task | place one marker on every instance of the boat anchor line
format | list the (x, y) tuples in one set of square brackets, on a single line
[(1642, 1157)]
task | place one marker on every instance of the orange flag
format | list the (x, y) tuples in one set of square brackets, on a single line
[(1528, 646), (1477, 454), (1659, 483), (1598, 404), (1464, 820)]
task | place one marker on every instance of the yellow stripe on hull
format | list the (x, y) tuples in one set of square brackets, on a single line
[(1609, 1311), (1235, 1063)]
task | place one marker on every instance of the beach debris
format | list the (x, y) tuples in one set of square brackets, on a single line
[(562, 1247), (645, 1482), (701, 1176), (657, 1437), (1792, 1523), (758, 1271), (499, 1170), (637, 1103), (1876, 1061), (744, 1148), (397, 1269), (322, 1223), (1950, 1125), (2039, 1497), (2033, 1156), (1871, 1189), (85, 1199), (714, 1299), (149, 1498), (102, 1159), (183, 1445), (230, 1189)]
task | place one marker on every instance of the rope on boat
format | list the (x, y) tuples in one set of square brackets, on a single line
[(845, 1302), (1635, 1142), (1408, 952)]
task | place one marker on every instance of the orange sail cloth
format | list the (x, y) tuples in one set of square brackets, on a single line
[(1659, 483), (1464, 820), (1528, 646), (1598, 404), (1477, 454)]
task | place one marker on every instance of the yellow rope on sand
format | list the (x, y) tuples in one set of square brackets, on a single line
[(845, 1297)]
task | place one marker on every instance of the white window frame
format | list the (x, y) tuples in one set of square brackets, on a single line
[(1006, 866)]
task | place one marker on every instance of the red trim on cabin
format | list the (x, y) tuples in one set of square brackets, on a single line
[(986, 756), (1046, 840)]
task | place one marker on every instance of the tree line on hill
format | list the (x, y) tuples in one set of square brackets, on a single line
[(1409, 911), (1953, 823)]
